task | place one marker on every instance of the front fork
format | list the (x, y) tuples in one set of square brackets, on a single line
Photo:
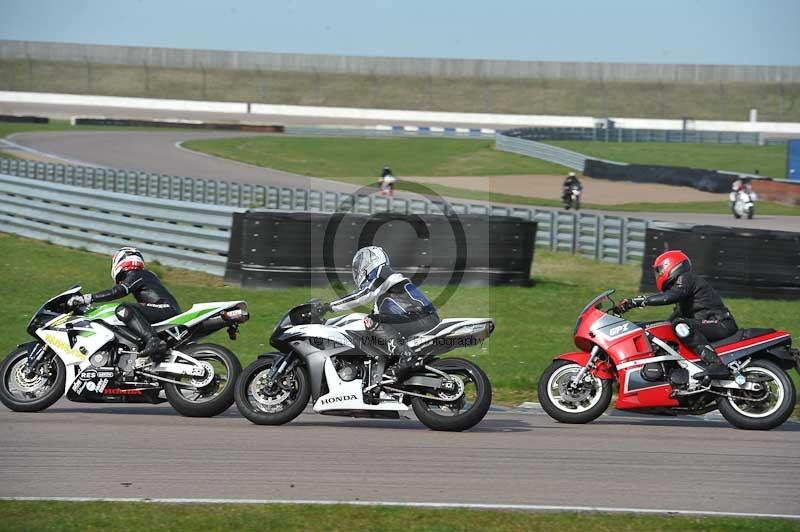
[(577, 379), (35, 357)]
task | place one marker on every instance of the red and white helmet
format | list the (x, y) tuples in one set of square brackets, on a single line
[(668, 266), (124, 260)]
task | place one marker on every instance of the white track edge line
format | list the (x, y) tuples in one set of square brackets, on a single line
[(435, 505)]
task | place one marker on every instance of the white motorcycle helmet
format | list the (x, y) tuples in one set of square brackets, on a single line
[(365, 260), (126, 259)]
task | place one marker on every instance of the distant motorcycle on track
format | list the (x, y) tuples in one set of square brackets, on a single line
[(90, 356), (743, 203)]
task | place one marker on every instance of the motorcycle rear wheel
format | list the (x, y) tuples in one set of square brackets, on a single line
[(438, 415), (12, 376), (751, 412), (582, 406), (274, 405), (217, 396)]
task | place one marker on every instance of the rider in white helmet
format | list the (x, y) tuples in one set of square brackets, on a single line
[(154, 302), (400, 308)]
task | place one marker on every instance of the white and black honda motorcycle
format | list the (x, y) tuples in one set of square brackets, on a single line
[(335, 363), (572, 198), (92, 357)]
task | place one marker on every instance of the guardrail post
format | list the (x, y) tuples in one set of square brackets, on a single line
[(623, 241), (598, 236)]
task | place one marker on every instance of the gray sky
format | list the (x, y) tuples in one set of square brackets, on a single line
[(667, 31)]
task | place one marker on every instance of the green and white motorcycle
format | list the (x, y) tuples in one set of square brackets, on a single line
[(92, 357)]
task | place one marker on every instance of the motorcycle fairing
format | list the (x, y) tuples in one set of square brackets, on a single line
[(348, 395)]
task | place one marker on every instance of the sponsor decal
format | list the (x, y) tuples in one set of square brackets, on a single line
[(106, 374), (88, 375), (57, 343), (614, 331), (339, 399), (90, 386), (392, 345), (121, 391)]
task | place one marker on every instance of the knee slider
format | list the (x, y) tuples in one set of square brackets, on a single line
[(124, 311), (683, 330)]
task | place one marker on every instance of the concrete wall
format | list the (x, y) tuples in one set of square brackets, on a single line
[(394, 66)]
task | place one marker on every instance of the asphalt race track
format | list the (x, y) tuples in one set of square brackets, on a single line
[(158, 152), (144, 451)]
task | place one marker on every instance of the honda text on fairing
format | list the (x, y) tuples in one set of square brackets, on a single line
[(332, 362), (89, 355), (655, 372)]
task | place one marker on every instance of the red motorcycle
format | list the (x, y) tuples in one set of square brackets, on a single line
[(654, 372)]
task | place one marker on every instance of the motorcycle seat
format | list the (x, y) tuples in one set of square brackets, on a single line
[(740, 335)]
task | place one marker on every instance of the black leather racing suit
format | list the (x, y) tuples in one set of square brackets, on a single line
[(155, 301), (155, 304), (400, 310), (699, 306)]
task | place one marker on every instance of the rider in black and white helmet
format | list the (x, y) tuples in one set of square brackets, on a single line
[(154, 303), (400, 309)]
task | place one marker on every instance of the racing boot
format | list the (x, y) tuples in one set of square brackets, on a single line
[(716, 369), (154, 347)]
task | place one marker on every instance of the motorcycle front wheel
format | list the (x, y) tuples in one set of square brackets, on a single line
[(272, 403), (581, 404), (198, 398), (467, 410), (31, 393)]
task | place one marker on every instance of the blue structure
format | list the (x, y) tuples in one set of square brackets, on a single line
[(793, 160)]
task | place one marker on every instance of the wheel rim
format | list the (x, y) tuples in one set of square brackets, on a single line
[(274, 398), (464, 393), (762, 403), (575, 401), (211, 385), (28, 389)]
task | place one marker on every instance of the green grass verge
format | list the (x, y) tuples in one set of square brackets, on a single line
[(660, 99), (768, 160), (533, 324), (364, 157), (79, 516), (358, 161)]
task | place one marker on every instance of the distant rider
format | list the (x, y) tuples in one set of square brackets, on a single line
[(154, 302), (569, 183), (700, 316), (387, 181), (400, 308)]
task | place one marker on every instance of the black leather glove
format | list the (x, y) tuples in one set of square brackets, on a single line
[(325, 308), (630, 303)]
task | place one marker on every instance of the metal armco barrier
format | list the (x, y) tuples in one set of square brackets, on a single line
[(539, 150), (187, 235), (602, 237)]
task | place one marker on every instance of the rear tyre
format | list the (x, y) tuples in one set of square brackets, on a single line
[(466, 411), (580, 405), (765, 409), (213, 398), (276, 403), (23, 393)]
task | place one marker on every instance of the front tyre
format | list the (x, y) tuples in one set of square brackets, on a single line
[(580, 404), (763, 409), (466, 411), (211, 398), (31, 393), (266, 402)]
